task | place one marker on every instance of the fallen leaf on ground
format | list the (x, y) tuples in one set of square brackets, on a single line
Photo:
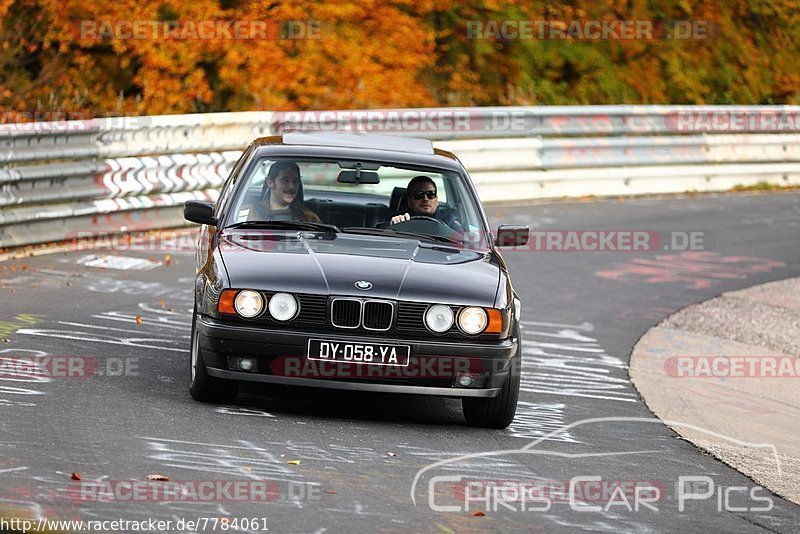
[(167, 259), (156, 476), (138, 319), (161, 303), (477, 513), (6, 340), (75, 476), (390, 453), (330, 491), (293, 462)]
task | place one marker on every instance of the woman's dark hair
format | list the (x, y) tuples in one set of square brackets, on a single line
[(297, 208)]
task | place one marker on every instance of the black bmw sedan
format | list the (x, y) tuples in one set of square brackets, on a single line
[(356, 262)]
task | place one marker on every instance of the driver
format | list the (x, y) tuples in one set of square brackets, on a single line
[(421, 200)]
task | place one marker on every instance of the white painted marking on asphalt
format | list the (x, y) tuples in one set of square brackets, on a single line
[(121, 263), (98, 327), (127, 317), (562, 360), (12, 470), (535, 420), (229, 460), (13, 370), (235, 410), (129, 342)]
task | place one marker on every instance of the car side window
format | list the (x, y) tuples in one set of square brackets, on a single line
[(230, 185)]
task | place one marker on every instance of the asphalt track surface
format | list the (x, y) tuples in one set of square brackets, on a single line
[(360, 454)]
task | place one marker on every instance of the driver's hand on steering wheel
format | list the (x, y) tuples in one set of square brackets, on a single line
[(400, 218)]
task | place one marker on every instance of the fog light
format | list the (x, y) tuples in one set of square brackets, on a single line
[(242, 364), (465, 380)]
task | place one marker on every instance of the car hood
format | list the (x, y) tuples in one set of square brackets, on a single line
[(403, 269)]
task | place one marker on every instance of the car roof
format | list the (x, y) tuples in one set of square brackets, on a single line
[(364, 146), (360, 140)]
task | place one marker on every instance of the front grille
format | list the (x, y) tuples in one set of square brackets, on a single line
[(410, 317), (378, 315), (346, 313), (313, 310)]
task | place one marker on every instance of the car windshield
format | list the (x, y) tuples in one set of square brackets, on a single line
[(359, 197)]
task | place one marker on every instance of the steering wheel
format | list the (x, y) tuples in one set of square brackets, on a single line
[(424, 227), (426, 218)]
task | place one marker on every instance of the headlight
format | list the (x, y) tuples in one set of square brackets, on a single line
[(439, 318), (248, 303), (472, 320), (282, 306)]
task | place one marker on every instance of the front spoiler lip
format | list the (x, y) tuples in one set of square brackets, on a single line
[(352, 386)]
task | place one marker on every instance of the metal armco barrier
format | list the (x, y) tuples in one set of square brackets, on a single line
[(73, 179)]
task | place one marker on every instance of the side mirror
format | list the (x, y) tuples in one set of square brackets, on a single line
[(512, 235), (199, 211)]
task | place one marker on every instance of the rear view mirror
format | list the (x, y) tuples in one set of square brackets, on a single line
[(511, 235), (358, 177), (199, 211)]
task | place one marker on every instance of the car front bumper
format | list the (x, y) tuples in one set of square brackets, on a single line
[(281, 358)]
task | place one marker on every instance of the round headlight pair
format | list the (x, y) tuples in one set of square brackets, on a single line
[(471, 320), (249, 304)]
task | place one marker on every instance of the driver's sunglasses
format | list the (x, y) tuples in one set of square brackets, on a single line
[(418, 195)]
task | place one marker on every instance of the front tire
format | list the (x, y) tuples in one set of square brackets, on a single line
[(206, 388), (499, 411)]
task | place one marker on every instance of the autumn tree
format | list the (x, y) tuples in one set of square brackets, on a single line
[(390, 53)]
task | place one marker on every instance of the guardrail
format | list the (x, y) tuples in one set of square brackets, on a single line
[(63, 180)]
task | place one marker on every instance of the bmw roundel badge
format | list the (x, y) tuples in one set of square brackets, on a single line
[(364, 285)]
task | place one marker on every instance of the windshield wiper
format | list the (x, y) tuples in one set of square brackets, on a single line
[(398, 233), (287, 225)]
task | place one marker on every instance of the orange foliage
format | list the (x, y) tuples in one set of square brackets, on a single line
[(384, 53)]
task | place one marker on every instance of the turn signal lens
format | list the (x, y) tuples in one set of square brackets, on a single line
[(225, 304), (495, 325)]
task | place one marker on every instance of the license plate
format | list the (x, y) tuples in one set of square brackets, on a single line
[(366, 353)]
